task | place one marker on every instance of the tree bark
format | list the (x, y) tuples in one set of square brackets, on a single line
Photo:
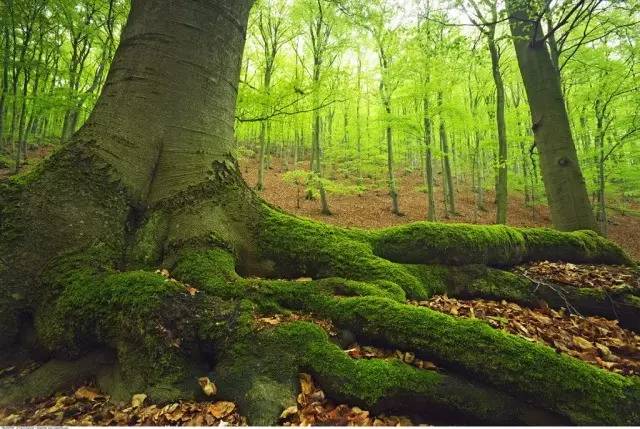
[(428, 162), (563, 180), (501, 183), (446, 162), (5, 81)]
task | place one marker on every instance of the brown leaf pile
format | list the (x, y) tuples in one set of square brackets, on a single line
[(266, 322), (592, 276), (593, 339), (88, 407), (314, 409), (369, 352)]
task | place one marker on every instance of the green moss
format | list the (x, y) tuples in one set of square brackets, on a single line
[(455, 244), (577, 247), (300, 247), (68, 203), (584, 393), (147, 249), (479, 281), (577, 390), (92, 302), (271, 361), (212, 270), (137, 313), (433, 277), (632, 300)]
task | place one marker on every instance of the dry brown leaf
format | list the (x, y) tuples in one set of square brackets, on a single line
[(289, 412), (221, 409), (306, 384), (87, 393), (207, 386), (582, 343), (138, 399)]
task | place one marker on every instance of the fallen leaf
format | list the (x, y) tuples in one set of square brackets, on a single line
[(582, 343), (87, 393), (207, 386), (306, 384), (221, 409), (289, 412), (138, 399)]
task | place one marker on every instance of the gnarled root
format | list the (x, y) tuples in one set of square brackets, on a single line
[(162, 334)]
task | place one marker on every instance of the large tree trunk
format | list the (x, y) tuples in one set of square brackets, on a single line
[(149, 182), (563, 181)]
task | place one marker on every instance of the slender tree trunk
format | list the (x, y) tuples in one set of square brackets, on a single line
[(563, 180), (393, 191), (20, 154), (501, 184), (446, 164), (428, 162), (357, 119), (601, 216), (525, 174), (261, 156), (317, 165), (5, 82)]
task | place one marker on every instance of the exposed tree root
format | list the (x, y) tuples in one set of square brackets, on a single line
[(164, 333)]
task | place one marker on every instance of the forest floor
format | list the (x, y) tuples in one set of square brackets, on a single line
[(595, 340), (372, 208)]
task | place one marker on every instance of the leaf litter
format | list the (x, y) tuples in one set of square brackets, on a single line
[(357, 351), (313, 408), (595, 340), (87, 406), (608, 277)]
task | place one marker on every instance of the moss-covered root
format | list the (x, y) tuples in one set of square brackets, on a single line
[(54, 376), (309, 248), (480, 281), (162, 335), (494, 245), (583, 393), (261, 375), (294, 247)]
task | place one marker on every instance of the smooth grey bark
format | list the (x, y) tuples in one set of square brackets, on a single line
[(272, 38), (160, 147), (385, 96), (154, 139), (501, 183), (5, 81), (563, 180), (428, 161), (319, 31), (446, 164)]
